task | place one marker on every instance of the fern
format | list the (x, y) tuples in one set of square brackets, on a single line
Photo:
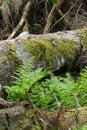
[(82, 87), (25, 79), (46, 93), (84, 127)]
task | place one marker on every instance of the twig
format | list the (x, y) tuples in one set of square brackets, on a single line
[(59, 110), (50, 17), (77, 101), (30, 100), (78, 11), (66, 21), (63, 16), (46, 10), (32, 105), (58, 103)]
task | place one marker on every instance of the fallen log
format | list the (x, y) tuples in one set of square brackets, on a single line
[(61, 51), (25, 118)]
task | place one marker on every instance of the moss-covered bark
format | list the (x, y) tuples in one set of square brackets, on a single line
[(22, 118), (50, 52)]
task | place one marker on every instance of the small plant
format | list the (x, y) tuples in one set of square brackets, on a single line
[(25, 79), (52, 1)]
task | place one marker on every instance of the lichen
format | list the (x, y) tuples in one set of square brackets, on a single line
[(83, 35), (45, 50)]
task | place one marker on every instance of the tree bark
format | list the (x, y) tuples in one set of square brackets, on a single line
[(61, 51), (25, 118)]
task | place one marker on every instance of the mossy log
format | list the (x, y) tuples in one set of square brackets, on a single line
[(25, 118), (61, 51)]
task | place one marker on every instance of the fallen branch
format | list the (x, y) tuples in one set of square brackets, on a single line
[(51, 15), (22, 20), (30, 100), (66, 21)]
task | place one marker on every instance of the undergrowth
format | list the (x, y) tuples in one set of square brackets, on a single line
[(84, 127), (50, 92)]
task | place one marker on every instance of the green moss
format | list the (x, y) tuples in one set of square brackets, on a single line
[(44, 50), (65, 48), (11, 56), (83, 35), (4, 60), (33, 119), (25, 28)]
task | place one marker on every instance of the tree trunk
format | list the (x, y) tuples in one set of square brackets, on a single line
[(61, 51), (25, 118)]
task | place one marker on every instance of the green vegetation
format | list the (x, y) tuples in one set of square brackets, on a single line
[(84, 127), (52, 1), (48, 93), (11, 57)]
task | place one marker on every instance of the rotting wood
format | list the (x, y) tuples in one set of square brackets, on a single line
[(21, 117)]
